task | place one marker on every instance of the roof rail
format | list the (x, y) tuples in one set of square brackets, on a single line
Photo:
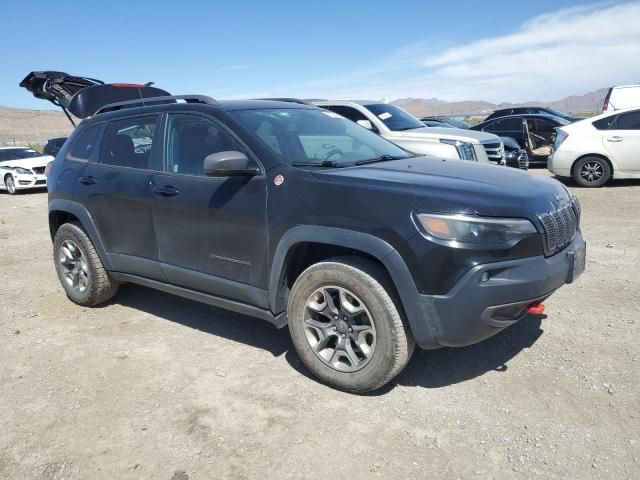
[(286, 99), (143, 102)]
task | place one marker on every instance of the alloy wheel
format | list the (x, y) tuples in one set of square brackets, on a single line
[(74, 266), (592, 171), (339, 329), (10, 184)]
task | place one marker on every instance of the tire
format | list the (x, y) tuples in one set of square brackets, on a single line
[(10, 185), (592, 172), (79, 268), (353, 283)]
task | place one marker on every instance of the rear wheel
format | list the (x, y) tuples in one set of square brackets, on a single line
[(10, 184), (79, 268), (347, 325), (592, 172)]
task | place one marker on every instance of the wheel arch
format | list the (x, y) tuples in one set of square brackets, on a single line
[(63, 211), (305, 245), (597, 155)]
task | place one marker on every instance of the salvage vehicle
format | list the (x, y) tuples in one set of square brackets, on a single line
[(514, 155), (403, 129), (295, 215), (598, 149), (53, 146), (505, 112), (536, 133), (22, 168)]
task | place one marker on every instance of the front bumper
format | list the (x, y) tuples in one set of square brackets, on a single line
[(474, 310), (23, 182)]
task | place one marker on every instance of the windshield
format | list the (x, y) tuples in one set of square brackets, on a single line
[(313, 136), (15, 153), (561, 120), (558, 113), (394, 117)]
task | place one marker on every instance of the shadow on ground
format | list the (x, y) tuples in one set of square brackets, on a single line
[(428, 369)]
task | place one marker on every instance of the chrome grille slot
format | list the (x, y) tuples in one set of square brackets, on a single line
[(560, 227), (494, 151)]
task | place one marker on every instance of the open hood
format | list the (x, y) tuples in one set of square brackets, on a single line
[(83, 96)]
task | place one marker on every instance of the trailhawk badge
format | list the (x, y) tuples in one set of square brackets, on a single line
[(278, 180)]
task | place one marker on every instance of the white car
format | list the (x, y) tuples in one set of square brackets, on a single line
[(597, 149), (22, 168), (403, 129)]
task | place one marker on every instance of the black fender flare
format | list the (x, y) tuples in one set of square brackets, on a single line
[(82, 214), (363, 242)]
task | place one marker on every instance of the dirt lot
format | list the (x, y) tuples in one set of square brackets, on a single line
[(154, 386)]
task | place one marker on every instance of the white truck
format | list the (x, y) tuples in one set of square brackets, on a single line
[(403, 129)]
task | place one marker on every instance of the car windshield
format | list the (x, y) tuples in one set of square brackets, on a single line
[(315, 137), (561, 120), (394, 117), (558, 113), (21, 153)]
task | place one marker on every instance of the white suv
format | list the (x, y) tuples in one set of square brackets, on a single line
[(22, 168), (403, 129), (597, 149)]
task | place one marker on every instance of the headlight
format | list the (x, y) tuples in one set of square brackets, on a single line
[(465, 150), (23, 171), (470, 229)]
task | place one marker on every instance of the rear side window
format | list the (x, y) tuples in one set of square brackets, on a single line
[(191, 138), (128, 142), (629, 121), (85, 144)]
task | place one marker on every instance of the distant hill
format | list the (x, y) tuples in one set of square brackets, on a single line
[(36, 126), (588, 103), (32, 126)]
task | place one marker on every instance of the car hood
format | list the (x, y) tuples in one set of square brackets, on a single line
[(458, 186), (462, 134), (28, 162)]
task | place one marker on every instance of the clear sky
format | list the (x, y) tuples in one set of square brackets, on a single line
[(454, 50)]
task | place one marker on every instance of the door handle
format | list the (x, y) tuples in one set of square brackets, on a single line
[(88, 180), (166, 191), (614, 139)]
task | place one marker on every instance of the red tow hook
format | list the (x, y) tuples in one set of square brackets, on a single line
[(536, 309)]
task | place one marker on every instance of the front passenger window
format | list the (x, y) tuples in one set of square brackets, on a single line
[(191, 139)]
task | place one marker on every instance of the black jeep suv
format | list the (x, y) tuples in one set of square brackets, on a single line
[(293, 214)]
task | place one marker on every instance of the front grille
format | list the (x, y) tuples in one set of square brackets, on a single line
[(560, 227), (523, 161), (41, 182), (38, 170), (495, 152)]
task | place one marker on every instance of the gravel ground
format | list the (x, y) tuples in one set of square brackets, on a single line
[(155, 386)]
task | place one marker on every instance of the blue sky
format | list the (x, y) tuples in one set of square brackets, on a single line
[(496, 51)]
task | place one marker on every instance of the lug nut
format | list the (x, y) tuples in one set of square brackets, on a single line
[(335, 328), (350, 329), (343, 335)]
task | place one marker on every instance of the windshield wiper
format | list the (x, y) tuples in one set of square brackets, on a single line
[(381, 158), (325, 164)]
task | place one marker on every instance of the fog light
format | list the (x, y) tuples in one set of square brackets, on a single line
[(484, 277)]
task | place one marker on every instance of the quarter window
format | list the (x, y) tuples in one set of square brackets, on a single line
[(191, 139), (85, 145), (128, 142)]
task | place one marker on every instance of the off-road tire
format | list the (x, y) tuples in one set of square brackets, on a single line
[(100, 286), (370, 283)]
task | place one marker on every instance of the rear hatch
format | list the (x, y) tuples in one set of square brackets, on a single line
[(84, 96)]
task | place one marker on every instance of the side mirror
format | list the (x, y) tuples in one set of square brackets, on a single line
[(365, 123), (228, 164)]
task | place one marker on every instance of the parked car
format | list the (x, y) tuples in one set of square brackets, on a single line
[(504, 112), (453, 121), (436, 123), (22, 168), (53, 146), (598, 149), (514, 155), (402, 128), (535, 133), (296, 215), (621, 98)]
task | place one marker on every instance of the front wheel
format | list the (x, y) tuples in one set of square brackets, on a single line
[(10, 184), (592, 172), (347, 326)]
